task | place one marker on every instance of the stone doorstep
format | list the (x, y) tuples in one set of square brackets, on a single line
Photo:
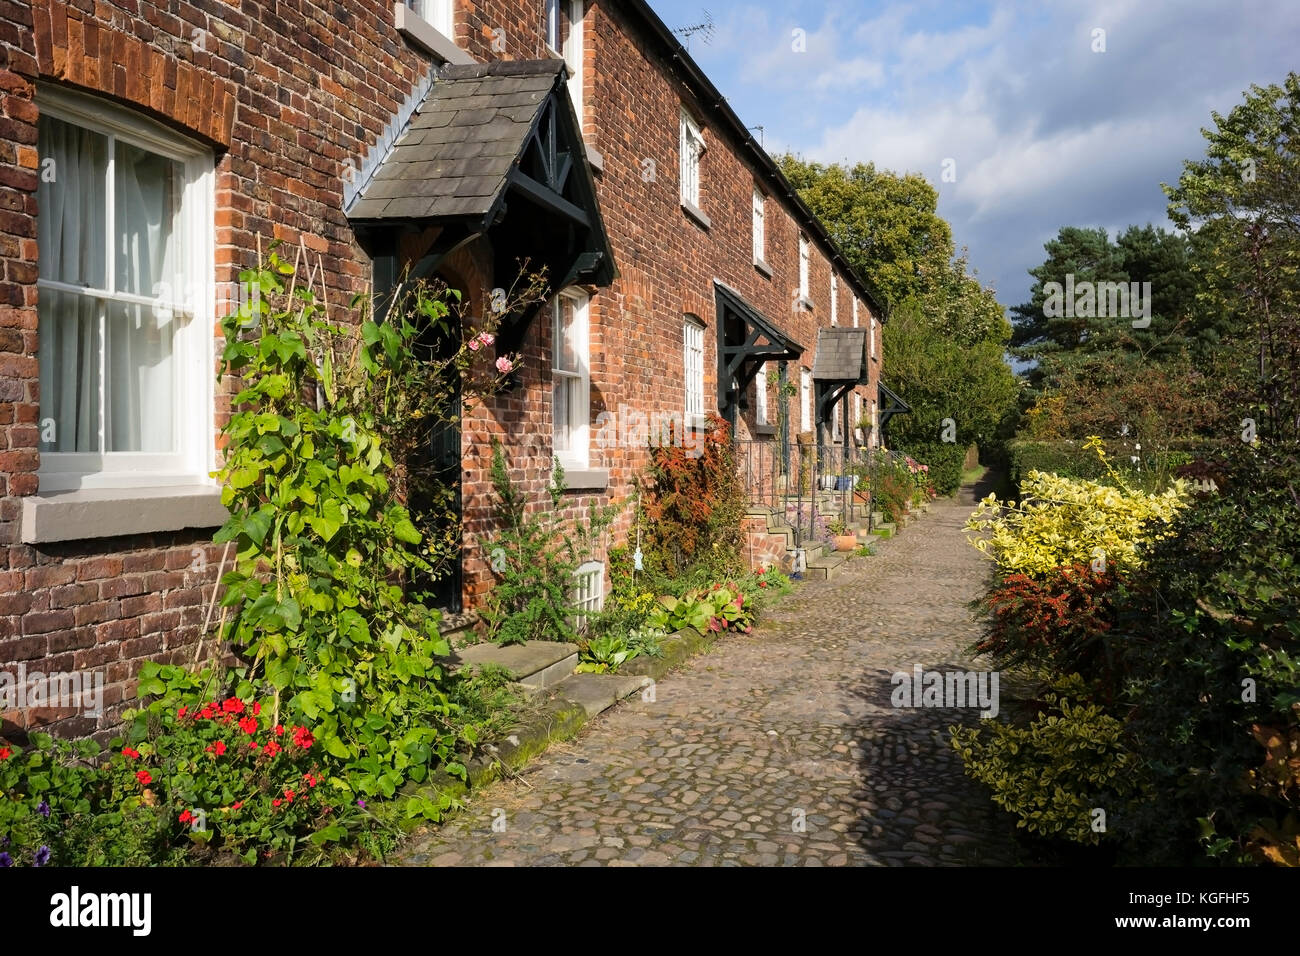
[(537, 665), (825, 567), (599, 692)]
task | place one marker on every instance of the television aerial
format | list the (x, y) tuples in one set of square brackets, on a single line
[(704, 29)]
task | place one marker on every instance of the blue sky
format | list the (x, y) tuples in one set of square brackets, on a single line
[(1043, 131)]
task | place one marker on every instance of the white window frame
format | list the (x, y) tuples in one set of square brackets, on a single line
[(760, 226), (692, 152), (192, 344), (578, 455), (588, 592), (693, 366), (573, 54), (837, 423), (439, 14), (760, 395), (855, 311), (873, 336), (805, 266), (805, 400), (875, 425), (835, 299)]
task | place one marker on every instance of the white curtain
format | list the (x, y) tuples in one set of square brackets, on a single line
[(71, 206), (78, 332), (138, 361)]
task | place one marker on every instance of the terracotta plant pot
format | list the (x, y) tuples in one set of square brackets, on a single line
[(846, 542)]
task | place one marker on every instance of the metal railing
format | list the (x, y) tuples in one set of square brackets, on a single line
[(812, 485)]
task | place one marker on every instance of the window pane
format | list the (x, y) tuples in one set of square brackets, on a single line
[(147, 204), (560, 412), (71, 196), (140, 398), (69, 330)]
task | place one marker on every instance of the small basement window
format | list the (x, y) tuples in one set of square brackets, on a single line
[(588, 592)]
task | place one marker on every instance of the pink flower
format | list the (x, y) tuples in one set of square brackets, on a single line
[(473, 345), (504, 365), (487, 338)]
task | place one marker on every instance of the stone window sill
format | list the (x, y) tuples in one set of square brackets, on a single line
[(594, 159), (586, 479), (762, 266), (426, 36), (696, 213), (765, 430), (805, 303), (111, 512)]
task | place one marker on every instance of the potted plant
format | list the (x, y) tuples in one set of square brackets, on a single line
[(844, 539)]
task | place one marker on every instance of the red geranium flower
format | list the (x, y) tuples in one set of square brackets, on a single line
[(218, 748), (279, 730), (311, 781), (207, 713), (145, 777), (275, 802), (289, 795), (272, 748), (248, 725), (186, 817), (182, 712), (237, 804), (233, 706), (302, 737), (130, 752), (257, 708), (5, 753)]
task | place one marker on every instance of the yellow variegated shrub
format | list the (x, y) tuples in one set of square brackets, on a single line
[(1061, 521)]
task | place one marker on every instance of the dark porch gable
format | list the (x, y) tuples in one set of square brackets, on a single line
[(746, 339), (495, 149)]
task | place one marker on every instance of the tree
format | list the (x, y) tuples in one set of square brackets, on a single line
[(946, 334), (886, 224), (1243, 200)]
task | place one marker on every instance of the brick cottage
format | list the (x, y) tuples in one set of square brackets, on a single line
[(147, 148)]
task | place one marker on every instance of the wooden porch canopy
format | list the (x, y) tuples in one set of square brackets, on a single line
[(891, 405), (746, 339), (839, 366), (494, 149)]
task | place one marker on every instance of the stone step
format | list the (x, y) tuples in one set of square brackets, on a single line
[(537, 665), (886, 529), (599, 692), (826, 566)]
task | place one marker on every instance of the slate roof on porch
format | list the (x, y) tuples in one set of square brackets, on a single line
[(455, 154), (841, 356)]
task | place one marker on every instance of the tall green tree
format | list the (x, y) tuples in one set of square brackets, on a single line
[(887, 225), (1243, 201), (946, 335)]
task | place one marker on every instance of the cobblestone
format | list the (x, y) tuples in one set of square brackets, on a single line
[(776, 748)]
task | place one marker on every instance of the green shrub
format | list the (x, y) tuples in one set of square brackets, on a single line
[(1212, 640), (533, 557), (1053, 774), (945, 461)]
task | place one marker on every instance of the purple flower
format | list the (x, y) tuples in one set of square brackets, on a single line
[(6, 861), (43, 808), (361, 803), (42, 856)]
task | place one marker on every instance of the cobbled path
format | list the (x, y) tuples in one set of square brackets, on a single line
[(792, 723)]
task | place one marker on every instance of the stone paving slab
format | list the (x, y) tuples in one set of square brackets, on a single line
[(780, 747)]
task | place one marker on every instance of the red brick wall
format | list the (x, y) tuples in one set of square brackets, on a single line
[(285, 98), (288, 94)]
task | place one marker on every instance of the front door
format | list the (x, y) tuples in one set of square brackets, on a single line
[(436, 500)]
